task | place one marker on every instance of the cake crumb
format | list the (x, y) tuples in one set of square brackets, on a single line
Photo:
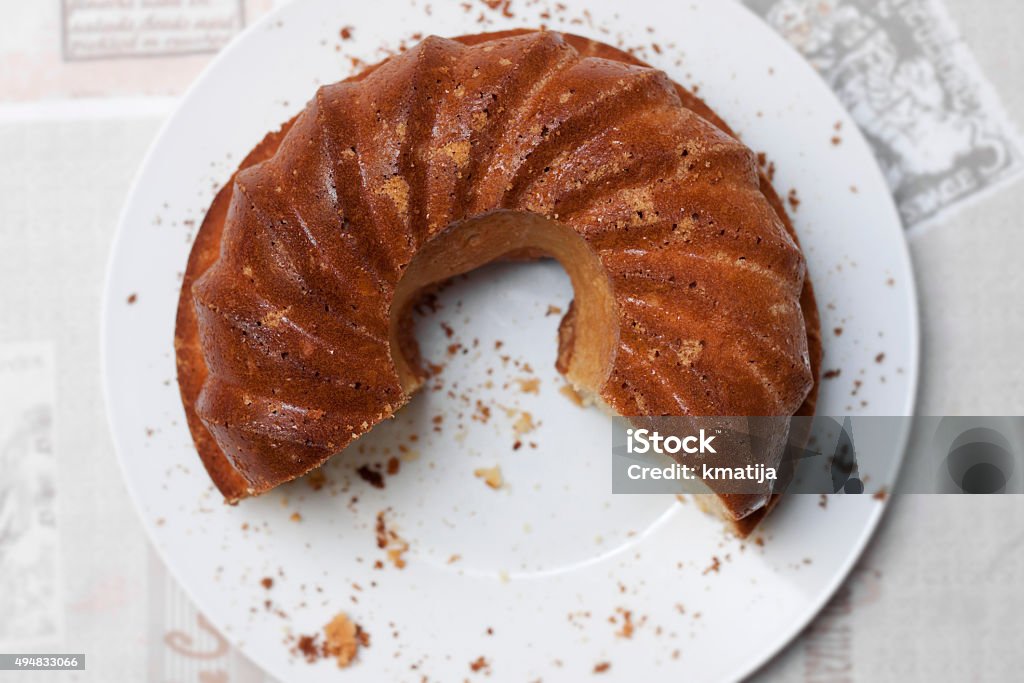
[(388, 540), (342, 640), (491, 476), (627, 623), (397, 553), (715, 566), (524, 424), (371, 476), (479, 664), (601, 667), (529, 386), (267, 582), (132, 298), (307, 647), (793, 199)]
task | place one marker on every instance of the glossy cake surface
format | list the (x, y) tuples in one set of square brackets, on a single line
[(690, 289)]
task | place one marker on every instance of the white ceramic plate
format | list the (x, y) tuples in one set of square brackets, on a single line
[(545, 562)]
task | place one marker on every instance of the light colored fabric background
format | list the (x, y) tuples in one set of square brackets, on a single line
[(937, 596)]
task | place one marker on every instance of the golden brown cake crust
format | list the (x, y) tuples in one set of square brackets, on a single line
[(230, 475), (192, 369)]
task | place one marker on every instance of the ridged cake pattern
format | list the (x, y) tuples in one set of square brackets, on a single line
[(294, 315)]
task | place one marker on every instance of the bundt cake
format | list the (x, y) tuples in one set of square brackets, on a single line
[(293, 336)]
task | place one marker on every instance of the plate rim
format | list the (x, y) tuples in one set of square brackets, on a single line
[(913, 380)]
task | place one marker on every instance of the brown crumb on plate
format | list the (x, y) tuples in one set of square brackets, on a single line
[(371, 476), (524, 423), (342, 640), (389, 540), (793, 199), (529, 386), (491, 476), (627, 623), (715, 565), (307, 647)]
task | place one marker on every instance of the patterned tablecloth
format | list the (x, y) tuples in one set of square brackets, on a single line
[(84, 87)]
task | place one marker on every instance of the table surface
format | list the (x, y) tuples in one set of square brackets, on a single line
[(936, 597)]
